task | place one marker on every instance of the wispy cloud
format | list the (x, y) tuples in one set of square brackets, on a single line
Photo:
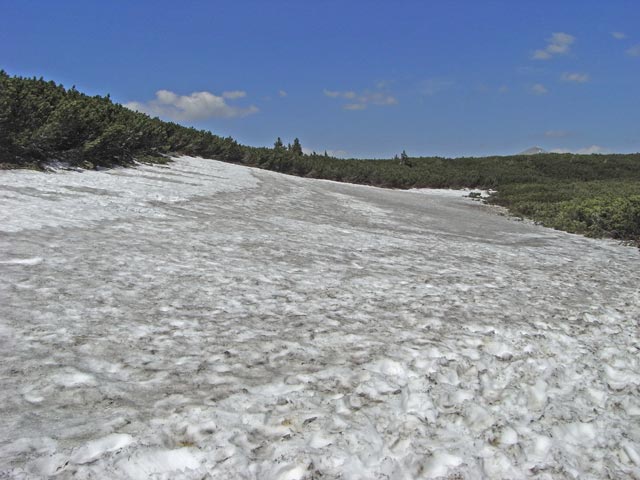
[(575, 77), (360, 101), (556, 133), (234, 94), (378, 98), (349, 94), (619, 35), (196, 106), (282, 93), (539, 89), (558, 44), (634, 51)]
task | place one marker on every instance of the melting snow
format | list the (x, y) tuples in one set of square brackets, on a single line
[(209, 319)]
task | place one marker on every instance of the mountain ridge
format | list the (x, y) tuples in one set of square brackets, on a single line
[(533, 151)]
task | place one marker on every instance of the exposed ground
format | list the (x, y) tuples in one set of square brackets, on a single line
[(205, 320)]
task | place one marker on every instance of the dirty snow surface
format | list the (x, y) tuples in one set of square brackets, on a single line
[(205, 320)]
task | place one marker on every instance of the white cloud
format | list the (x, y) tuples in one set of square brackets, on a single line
[(591, 149), (634, 51), (539, 89), (582, 151), (618, 35), (575, 77), (360, 101), (558, 44), (196, 106), (282, 93), (556, 133)]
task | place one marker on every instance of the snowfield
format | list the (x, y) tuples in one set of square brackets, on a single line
[(206, 320)]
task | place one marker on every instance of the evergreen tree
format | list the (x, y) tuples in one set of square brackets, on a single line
[(296, 148), (278, 145)]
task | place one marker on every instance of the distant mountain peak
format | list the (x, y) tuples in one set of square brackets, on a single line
[(533, 151)]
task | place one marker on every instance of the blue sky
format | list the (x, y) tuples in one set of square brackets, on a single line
[(360, 78)]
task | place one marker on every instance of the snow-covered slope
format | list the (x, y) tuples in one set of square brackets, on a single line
[(210, 321)]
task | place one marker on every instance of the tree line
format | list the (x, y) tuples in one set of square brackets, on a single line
[(40, 121)]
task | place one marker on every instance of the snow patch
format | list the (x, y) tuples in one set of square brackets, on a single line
[(205, 319), (96, 448)]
